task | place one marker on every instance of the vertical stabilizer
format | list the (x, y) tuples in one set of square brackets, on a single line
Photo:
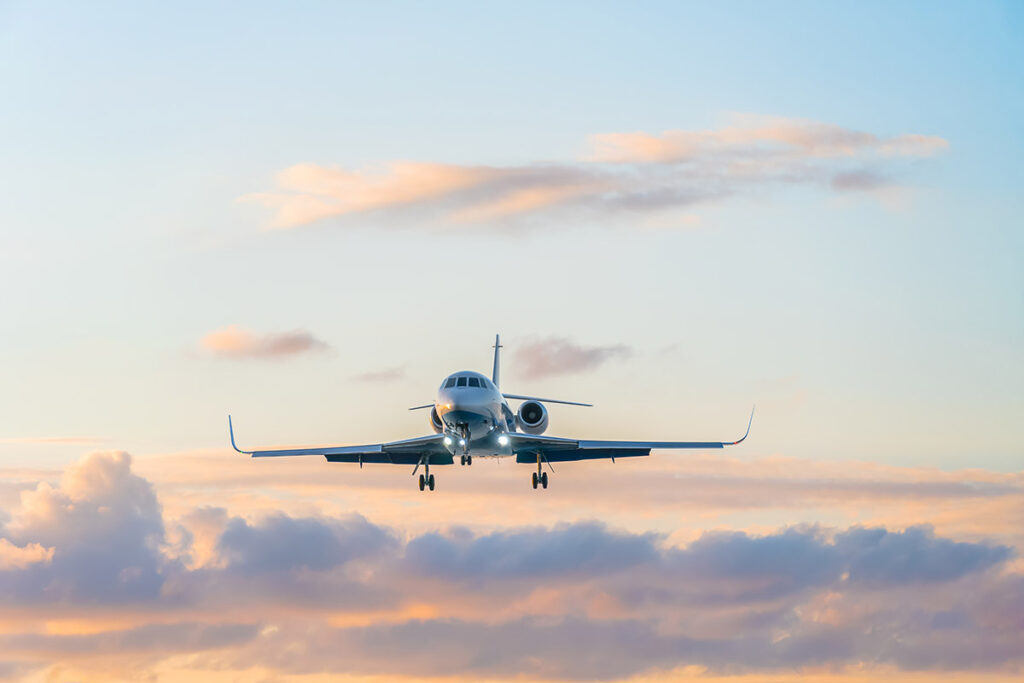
[(497, 359)]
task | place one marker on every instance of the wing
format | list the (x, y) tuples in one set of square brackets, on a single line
[(408, 452), (520, 397), (528, 448)]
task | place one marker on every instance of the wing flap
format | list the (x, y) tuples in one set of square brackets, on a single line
[(576, 454)]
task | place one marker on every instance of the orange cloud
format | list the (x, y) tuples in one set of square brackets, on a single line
[(20, 557), (753, 137), (626, 173), (235, 342)]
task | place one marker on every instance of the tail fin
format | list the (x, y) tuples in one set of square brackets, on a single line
[(497, 359)]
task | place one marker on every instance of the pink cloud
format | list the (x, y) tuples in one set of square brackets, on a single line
[(556, 356), (625, 173), (235, 342)]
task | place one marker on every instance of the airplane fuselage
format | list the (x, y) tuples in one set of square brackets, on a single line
[(473, 410)]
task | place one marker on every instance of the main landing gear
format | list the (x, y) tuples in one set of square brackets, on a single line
[(426, 479), (540, 477)]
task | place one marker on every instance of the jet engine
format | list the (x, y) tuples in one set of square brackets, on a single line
[(435, 421), (532, 417)]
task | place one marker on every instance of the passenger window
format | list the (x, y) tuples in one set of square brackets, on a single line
[(474, 382), (462, 381), (450, 383)]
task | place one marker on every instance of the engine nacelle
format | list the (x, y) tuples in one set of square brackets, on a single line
[(435, 421), (532, 417)]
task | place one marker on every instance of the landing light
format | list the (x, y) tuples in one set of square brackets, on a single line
[(447, 441), (503, 440), (462, 442)]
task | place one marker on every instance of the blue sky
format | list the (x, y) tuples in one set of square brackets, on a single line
[(131, 133)]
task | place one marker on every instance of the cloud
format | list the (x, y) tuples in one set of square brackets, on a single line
[(557, 356), (759, 137), (573, 601), (281, 543), (17, 557), (887, 558), (581, 549), (624, 175), (68, 440), (235, 342), (859, 181), (102, 528)]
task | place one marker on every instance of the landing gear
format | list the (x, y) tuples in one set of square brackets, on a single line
[(540, 477), (466, 460), (426, 479)]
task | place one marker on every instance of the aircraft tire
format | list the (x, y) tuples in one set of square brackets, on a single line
[(534, 480), (544, 480), (430, 482), (423, 482), (469, 459)]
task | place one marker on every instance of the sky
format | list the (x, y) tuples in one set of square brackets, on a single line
[(307, 215)]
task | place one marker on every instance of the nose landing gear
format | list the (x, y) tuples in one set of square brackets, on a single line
[(466, 460)]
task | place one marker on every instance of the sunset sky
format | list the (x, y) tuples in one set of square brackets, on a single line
[(307, 214)]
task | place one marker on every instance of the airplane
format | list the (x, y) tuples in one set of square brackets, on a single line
[(471, 418)]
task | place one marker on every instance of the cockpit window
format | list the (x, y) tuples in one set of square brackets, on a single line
[(474, 382), (450, 383), (462, 382)]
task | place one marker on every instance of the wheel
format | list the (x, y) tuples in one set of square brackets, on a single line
[(469, 459), (534, 480), (462, 460), (430, 482), (544, 480), (423, 482)]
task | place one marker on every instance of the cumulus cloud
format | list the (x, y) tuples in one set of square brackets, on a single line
[(581, 601), (624, 174), (18, 557), (558, 356), (102, 528), (235, 342)]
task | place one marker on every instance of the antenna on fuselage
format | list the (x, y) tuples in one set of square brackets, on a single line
[(497, 359)]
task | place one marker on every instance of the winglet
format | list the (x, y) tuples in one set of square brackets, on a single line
[(748, 428), (231, 431)]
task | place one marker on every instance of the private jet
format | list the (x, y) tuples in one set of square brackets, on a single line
[(471, 418)]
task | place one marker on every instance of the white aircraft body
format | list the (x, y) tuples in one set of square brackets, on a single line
[(471, 417)]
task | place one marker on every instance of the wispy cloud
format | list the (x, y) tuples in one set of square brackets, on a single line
[(559, 356), (236, 342), (623, 174), (68, 440)]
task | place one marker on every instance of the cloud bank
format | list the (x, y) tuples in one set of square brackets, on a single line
[(235, 342), (624, 175), (340, 595)]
